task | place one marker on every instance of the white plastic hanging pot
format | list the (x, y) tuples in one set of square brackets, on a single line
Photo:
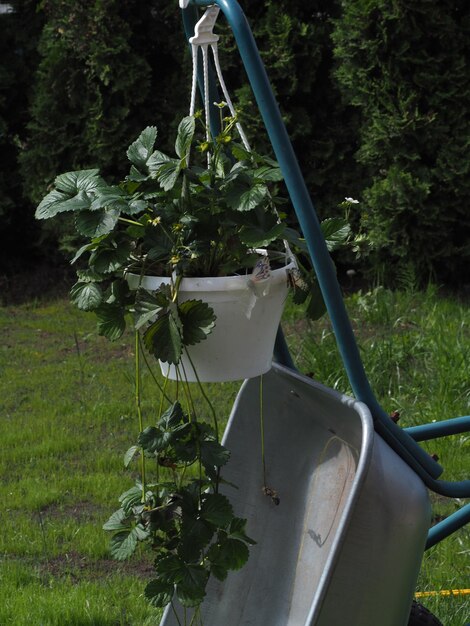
[(248, 315)]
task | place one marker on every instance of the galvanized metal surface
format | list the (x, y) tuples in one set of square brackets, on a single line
[(347, 538)]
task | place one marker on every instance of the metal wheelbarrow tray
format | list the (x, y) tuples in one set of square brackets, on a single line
[(352, 516)]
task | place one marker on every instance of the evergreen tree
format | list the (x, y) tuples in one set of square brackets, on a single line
[(89, 86), (294, 39), (20, 28), (107, 69), (404, 65)]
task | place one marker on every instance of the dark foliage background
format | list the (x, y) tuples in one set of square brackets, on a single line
[(375, 96), (405, 67)]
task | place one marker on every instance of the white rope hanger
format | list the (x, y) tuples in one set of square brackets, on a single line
[(205, 38)]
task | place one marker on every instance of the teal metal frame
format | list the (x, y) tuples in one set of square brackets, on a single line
[(402, 441)]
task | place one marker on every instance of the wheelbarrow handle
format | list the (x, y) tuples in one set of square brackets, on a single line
[(449, 525), (399, 440), (453, 426)]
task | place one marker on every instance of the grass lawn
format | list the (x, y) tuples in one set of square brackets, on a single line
[(68, 415)]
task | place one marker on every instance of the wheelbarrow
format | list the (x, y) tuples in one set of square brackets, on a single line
[(344, 539)]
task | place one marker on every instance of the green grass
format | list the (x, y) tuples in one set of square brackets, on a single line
[(68, 415)]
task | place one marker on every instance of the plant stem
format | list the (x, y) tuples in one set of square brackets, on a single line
[(175, 613), (139, 408), (160, 410), (189, 398), (182, 475), (197, 613), (154, 378), (127, 221), (167, 233), (205, 396), (212, 410)]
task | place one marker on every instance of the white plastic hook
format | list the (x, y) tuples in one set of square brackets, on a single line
[(203, 34)]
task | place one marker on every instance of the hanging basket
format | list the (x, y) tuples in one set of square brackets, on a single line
[(248, 315)]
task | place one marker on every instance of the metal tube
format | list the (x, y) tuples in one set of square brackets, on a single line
[(310, 226), (454, 426), (448, 526)]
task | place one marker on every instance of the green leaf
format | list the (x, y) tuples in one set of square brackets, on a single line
[(74, 192), (135, 176), (131, 498), (96, 223), (57, 202), (185, 136), (117, 292), (140, 532), (156, 160), (86, 296), (163, 339), (198, 320), (167, 174), (130, 454), (316, 306), (233, 554), (194, 577), (82, 250), (135, 207), (158, 593), (240, 153), (155, 439), (267, 173), (192, 589), (139, 152), (110, 256), (335, 230), (195, 536), (257, 238), (111, 321), (213, 453), (123, 545), (118, 521), (147, 307), (170, 569), (110, 198), (237, 530), (218, 571), (172, 417), (88, 276), (294, 239), (82, 180), (216, 509), (147, 439), (248, 199)]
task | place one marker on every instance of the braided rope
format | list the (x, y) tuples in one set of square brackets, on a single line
[(241, 132)]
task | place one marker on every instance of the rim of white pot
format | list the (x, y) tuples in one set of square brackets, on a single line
[(207, 283)]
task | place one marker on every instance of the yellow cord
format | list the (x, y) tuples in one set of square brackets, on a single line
[(442, 592)]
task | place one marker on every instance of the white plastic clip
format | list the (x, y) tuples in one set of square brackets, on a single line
[(184, 4), (203, 34)]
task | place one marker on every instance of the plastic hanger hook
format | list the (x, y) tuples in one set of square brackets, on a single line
[(203, 34)]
